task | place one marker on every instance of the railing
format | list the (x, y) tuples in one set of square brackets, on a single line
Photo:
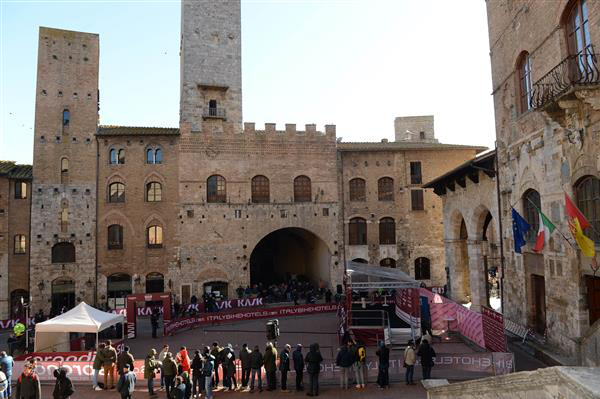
[(581, 69), (212, 112)]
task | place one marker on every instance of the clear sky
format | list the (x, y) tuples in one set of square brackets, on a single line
[(354, 63)]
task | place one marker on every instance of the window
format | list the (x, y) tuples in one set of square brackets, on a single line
[(260, 189), (357, 190), (64, 165), (416, 198), (524, 88), (578, 32), (422, 269), (153, 156), (64, 220), (155, 237), (216, 189), (422, 135), (531, 206), (357, 231), (587, 195), (302, 189), (387, 231), (20, 190), (113, 160), (212, 108), (388, 262), (115, 236), (20, 244), (66, 117), (385, 189), (153, 192), (121, 158), (238, 214), (63, 252), (116, 192), (415, 173)]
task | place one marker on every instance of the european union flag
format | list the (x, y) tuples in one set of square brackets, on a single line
[(520, 227)]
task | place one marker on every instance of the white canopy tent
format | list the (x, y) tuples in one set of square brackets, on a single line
[(53, 335)]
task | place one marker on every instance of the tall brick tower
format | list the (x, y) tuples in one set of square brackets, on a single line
[(63, 214), (211, 66)]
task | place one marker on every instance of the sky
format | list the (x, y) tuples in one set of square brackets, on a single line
[(357, 64)]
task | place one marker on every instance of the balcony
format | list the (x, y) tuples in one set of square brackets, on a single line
[(214, 113), (571, 80)]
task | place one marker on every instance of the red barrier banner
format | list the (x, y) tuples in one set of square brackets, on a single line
[(212, 318), (407, 306), (493, 330), (79, 356)]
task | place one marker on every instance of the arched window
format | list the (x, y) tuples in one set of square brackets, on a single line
[(115, 236), (216, 189), (385, 189), (118, 285), (64, 219), (20, 244), (360, 260), (63, 252), (388, 262), (153, 155), (524, 88), (155, 282), (116, 192), (153, 192), (422, 269), (302, 189), (357, 190), (64, 165), (121, 158), (587, 196), (155, 237), (158, 155), (531, 207), (112, 157), (66, 117), (16, 305), (387, 231), (357, 231), (577, 29), (150, 155), (260, 189)]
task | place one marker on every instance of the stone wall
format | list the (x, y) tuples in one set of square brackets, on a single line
[(4, 248)]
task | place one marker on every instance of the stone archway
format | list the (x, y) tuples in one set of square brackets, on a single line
[(457, 259), (290, 251)]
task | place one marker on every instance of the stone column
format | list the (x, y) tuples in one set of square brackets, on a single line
[(456, 264), (477, 275)]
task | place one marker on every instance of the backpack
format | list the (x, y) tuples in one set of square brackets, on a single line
[(362, 354)]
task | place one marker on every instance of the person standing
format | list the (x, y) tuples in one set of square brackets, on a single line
[(154, 321), (256, 363), (299, 367), (109, 359), (245, 360), (270, 360), (313, 361), (360, 365), (410, 358), (229, 369), (63, 387), (6, 365), (183, 359), (28, 383), (427, 354), (170, 371), (161, 359), (98, 362), (197, 380), (125, 358), (150, 367), (208, 369), (178, 390), (284, 366), (215, 352), (126, 383), (345, 360), (383, 377)]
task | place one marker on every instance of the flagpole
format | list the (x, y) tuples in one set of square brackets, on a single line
[(555, 226)]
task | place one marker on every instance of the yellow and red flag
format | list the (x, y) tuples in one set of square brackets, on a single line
[(578, 222)]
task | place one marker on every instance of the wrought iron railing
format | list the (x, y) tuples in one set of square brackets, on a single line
[(575, 70), (212, 112)]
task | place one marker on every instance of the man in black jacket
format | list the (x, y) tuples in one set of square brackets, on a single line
[(427, 355), (197, 377), (245, 360), (383, 377), (313, 368), (299, 367), (284, 367)]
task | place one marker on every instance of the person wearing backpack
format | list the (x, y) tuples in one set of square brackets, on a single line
[(208, 369), (63, 387), (360, 365)]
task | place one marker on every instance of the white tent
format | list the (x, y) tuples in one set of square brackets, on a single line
[(53, 335)]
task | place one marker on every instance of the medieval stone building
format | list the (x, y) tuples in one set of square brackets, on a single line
[(215, 203)]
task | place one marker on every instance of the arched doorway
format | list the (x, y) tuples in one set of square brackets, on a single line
[(218, 288), (287, 252), (491, 262), (16, 305), (63, 295), (155, 282), (118, 286)]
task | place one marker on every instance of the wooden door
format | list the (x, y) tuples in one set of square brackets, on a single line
[(593, 297), (538, 286), (186, 293)]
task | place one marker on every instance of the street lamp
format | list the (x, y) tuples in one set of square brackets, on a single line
[(26, 306)]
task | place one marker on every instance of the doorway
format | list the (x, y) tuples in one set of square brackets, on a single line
[(538, 288), (63, 295), (593, 297)]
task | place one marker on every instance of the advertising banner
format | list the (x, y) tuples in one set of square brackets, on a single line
[(493, 330), (407, 305), (213, 318)]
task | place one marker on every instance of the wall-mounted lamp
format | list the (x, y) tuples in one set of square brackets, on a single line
[(41, 285)]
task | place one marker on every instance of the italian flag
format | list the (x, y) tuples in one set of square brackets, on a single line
[(546, 228)]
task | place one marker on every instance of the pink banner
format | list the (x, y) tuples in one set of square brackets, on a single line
[(212, 318)]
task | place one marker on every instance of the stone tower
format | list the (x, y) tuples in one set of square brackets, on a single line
[(211, 66), (63, 210)]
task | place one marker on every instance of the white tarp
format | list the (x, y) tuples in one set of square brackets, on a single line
[(53, 335)]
